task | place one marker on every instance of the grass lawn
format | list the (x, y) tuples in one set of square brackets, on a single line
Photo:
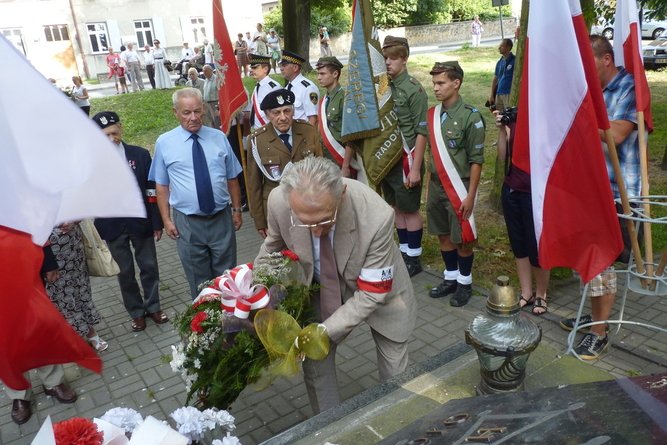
[(146, 115)]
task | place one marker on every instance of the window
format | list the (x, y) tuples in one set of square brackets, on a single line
[(198, 29), (56, 33), (97, 34), (144, 30), (14, 36)]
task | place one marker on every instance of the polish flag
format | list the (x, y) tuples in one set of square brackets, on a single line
[(627, 53), (557, 141)]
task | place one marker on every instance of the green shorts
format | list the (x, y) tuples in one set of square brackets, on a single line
[(502, 101), (441, 217), (406, 200)]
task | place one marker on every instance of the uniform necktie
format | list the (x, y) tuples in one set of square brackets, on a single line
[(285, 138), (289, 86), (330, 297), (252, 106), (202, 177)]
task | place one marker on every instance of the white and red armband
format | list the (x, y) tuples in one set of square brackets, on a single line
[(378, 281)]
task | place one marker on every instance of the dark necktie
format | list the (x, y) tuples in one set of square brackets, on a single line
[(289, 86), (285, 138), (252, 106), (202, 177), (330, 298)]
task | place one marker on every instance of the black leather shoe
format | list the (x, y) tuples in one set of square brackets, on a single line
[(414, 265), (21, 411), (447, 287), (62, 393), (461, 296)]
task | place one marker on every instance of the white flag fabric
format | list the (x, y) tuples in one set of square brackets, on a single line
[(57, 165)]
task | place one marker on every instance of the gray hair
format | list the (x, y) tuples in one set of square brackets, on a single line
[(314, 176), (185, 92)]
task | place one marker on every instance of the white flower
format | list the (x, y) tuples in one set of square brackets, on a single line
[(227, 440), (222, 418), (189, 422), (197, 363), (178, 358), (125, 418)]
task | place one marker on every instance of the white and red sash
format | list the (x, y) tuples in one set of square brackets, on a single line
[(407, 159), (335, 148), (449, 177), (260, 119)]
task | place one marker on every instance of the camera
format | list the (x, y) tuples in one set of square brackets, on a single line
[(508, 115), (490, 106)]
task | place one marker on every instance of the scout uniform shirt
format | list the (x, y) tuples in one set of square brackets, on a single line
[(334, 112), (307, 96), (463, 132), (274, 156), (410, 104)]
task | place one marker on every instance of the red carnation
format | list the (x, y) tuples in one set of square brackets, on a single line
[(289, 254), (77, 431), (196, 322)]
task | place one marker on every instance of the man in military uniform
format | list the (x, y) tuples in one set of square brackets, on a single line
[(273, 148), (260, 67), (306, 92), (330, 114), (456, 134), (403, 184)]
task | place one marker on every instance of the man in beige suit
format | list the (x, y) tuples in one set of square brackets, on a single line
[(314, 203)]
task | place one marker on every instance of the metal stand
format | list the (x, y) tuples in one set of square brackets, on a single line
[(654, 286)]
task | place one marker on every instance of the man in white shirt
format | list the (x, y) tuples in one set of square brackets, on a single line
[(306, 92), (260, 67), (208, 54), (133, 65), (186, 54), (149, 63)]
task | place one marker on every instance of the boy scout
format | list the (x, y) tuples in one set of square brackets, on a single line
[(457, 144), (273, 148), (402, 185)]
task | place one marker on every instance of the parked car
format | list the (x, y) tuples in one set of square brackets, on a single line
[(655, 53), (651, 28)]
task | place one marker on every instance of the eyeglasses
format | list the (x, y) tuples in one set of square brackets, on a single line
[(329, 222)]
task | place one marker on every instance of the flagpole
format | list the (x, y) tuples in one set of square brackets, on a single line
[(613, 154), (643, 163), (239, 135)]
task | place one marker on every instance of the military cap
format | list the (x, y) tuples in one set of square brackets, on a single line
[(329, 61), (290, 57), (276, 99), (256, 59), (441, 67), (390, 41), (106, 119)]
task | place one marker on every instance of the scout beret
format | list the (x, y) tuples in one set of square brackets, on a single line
[(256, 59), (276, 99), (106, 119), (441, 67), (390, 41), (329, 61), (290, 57)]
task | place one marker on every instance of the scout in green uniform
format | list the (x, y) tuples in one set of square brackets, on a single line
[(403, 190), (273, 147), (462, 129), (328, 75)]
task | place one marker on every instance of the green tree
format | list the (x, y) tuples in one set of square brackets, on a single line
[(429, 12), (392, 13), (338, 20), (467, 9)]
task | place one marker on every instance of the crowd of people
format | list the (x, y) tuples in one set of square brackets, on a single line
[(302, 195)]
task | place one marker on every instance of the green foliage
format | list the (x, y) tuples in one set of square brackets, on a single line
[(467, 9), (338, 20), (430, 12), (392, 13)]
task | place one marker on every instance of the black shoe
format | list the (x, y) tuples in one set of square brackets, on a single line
[(568, 323), (461, 296), (414, 265), (591, 346), (21, 411), (447, 287), (405, 257)]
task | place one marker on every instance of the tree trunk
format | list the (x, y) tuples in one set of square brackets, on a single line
[(519, 45), (296, 21)]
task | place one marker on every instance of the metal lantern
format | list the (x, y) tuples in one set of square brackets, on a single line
[(503, 339)]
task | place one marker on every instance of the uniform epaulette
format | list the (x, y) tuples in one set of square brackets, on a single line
[(258, 131), (414, 81), (301, 121), (305, 83), (272, 84), (471, 108)]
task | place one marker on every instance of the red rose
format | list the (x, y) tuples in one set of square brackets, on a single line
[(196, 322), (289, 254)]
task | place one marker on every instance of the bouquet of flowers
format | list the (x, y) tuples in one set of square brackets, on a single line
[(242, 328)]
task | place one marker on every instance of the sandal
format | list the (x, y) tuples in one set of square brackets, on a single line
[(540, 307), (97, 343), (523, 301)]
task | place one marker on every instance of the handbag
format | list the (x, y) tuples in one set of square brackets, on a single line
[(98, 257), (168, 65)]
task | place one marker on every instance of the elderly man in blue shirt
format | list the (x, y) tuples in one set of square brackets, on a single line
[(195, 173)]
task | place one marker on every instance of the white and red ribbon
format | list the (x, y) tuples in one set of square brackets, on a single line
[(237, 292), (335, 148), (260, 118), (378, 281), (407, 159)]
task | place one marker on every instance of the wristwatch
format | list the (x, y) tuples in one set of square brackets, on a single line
[(237, 209)]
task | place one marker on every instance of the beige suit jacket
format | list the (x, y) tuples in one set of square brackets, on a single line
[(363, 239)]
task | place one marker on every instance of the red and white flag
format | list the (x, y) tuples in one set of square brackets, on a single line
[(557, 141), (232, 96), (628, 53)]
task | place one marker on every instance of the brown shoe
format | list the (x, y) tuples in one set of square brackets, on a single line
[(159, 317), (139, 324), (62, 393), (21, 411)]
